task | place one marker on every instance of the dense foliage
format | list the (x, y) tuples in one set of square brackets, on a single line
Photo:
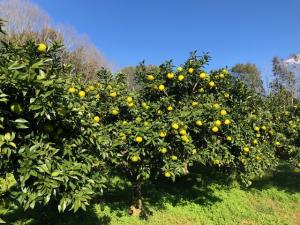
[(62, 138), (48, 140)]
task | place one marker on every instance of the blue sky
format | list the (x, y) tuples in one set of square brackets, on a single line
[(233, 31)]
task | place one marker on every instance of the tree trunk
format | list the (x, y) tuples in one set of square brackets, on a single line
[(137, 205)]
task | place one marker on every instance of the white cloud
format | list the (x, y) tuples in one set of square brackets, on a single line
[(295, 59)]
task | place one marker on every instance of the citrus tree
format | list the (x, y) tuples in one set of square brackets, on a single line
[(287, 129), (61, 138), (185, 115), (49, 128)]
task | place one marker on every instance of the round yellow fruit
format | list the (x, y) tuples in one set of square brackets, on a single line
[(226, 95), (258, 135), (114, 112), (194, 151), (163, 150), (182, 131), (244, 161), (223, 112), (174, 157), (150, 77), (138, 119), (170, 108), (123, 136), (144, 105), (224, 71), (81, 94), (135, 158), (129, 99), (179, 69), (175, 126), (201, 90), (138, 139), (113, 94), (218, 123), (227, 122), (185, 139), (255, 141), (72, 90), (221, 75), (211, 84), (263, 127), (131, 104), (215, 129), (256, 128), (216, 106), (277, 143), (42, 47), (96, 119), (161, 87), (202, 75), (216, 162), (195, 104), (180, 77), (190, 70), (167, 174), (163, 134), (199, 123), (229, 138), (246, 150), (170, 75)]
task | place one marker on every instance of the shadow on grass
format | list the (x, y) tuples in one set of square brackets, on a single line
[(285, 178), (194, 188), (49, 216)]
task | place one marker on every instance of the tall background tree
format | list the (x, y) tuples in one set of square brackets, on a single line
[(130, 73), (283, 85), (27, 21), (250, 75)]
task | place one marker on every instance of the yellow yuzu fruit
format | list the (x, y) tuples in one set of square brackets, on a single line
[(42, 47)]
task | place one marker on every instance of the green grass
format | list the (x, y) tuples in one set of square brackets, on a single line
[(273, 200)]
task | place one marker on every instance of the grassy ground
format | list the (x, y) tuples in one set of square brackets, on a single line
[(274, 200)]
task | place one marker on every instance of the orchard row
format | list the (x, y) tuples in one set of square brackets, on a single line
[(61, 138)]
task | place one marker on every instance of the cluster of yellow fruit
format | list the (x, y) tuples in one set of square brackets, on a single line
[(218, 123), (181, 131), (81, 93), (181, 77), (130, 102)]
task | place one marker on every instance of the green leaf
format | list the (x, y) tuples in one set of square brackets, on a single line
[(16, 66), (21, 120), (12, 144), (2, 221), (55, 173)]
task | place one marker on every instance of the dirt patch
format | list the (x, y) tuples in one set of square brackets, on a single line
[(247, 222), (297, 218), (267, 206)]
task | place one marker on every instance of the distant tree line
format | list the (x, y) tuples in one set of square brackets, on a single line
[(27, 21)]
